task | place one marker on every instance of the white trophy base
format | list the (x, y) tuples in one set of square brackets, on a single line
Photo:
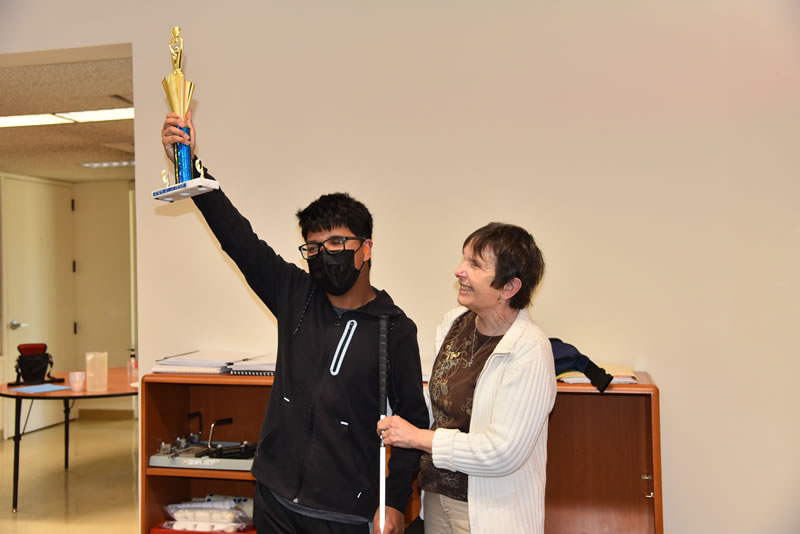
[(189, 188)]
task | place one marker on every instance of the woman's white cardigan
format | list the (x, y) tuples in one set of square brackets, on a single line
[(505, 452)]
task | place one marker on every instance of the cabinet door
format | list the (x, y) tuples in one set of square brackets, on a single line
[(600, 465)]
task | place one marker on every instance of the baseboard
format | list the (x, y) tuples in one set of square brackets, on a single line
[(104, 415)]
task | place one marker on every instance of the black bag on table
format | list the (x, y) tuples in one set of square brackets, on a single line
[(34, 365)]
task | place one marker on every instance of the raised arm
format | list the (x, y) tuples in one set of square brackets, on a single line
[(266, 272)]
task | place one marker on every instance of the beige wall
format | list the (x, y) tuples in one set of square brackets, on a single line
[(102, 277), (649, 146)]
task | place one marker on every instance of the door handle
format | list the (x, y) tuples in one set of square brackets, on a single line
[(14, 324)]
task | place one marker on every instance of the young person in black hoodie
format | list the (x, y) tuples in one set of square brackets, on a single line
[(316, 463)]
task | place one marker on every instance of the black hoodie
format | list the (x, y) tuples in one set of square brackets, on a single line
[(318, 446)]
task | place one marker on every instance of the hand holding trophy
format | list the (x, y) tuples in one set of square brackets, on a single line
[(179, 93)]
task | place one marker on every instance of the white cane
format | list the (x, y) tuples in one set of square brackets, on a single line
[(382, 514), (382, 372)]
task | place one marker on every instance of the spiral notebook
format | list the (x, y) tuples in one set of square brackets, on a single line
[(259, 366)]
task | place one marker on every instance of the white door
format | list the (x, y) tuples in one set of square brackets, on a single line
[(37, 253)]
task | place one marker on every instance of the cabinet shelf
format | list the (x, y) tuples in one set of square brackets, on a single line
[(198, 473)]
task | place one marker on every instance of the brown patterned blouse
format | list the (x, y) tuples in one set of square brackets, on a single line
[(455, 372)]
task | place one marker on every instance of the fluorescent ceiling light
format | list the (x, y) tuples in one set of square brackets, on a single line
[(106, 164), (31, 120), (67, 118), (98, 115)]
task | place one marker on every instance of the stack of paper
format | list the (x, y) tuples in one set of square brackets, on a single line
[(260, 366), (201, 361), (621, 373)]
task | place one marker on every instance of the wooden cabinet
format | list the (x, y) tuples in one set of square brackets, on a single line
[(603, 466), (167, 401), (604, 460)]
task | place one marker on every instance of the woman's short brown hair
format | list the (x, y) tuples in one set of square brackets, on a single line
[(516, 256)]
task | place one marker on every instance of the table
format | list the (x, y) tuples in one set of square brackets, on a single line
[(118, 386)]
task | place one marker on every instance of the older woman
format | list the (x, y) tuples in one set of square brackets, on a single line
[(492, 388)]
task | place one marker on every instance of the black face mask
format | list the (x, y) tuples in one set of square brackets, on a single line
[(335, 273)]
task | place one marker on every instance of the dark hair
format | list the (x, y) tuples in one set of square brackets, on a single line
[(335, 209), (516, 255)]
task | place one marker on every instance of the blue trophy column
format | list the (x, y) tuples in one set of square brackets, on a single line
[(183, 160)]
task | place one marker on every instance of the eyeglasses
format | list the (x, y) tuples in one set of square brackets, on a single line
[(333, 245)]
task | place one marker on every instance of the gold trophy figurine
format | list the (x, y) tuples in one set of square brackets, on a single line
[(179, 93), (176, 48)]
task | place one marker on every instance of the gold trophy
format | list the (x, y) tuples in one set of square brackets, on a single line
[(179, 93)]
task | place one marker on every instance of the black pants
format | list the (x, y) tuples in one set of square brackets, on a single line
[(271, 517)]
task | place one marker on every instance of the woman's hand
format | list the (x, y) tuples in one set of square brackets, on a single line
[(398, 432), (171, 133)]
